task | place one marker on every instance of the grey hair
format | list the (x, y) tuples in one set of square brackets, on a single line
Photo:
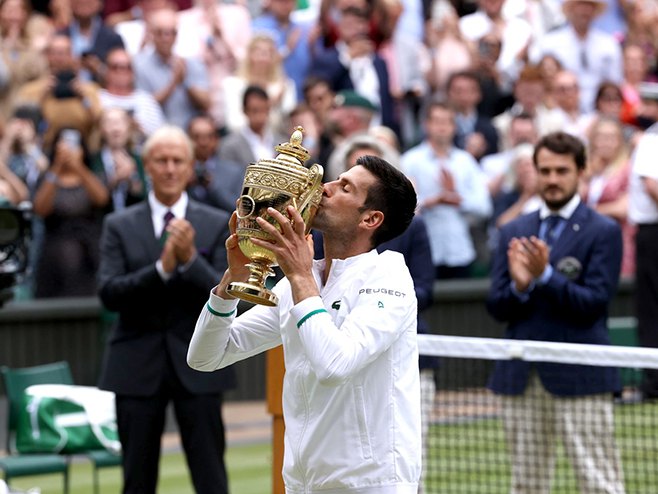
[(168, 133)]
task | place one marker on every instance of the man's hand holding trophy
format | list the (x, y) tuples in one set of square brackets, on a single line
[(277, 183)]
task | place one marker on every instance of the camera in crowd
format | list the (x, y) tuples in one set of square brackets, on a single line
[(63, 86), (15, 236)]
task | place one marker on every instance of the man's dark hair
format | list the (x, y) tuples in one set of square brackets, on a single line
[(463, 74), (311, 81), (256, 92), (392, 194), (562, 143), (200, 118), (439, 103)]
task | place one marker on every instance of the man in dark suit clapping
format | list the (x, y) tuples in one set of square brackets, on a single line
[(554, 274), (159, 260)]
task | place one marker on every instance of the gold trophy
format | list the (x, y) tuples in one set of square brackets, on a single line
[(276, 183)]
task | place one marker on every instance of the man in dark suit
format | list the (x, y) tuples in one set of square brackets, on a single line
[(92, 40), (159, 260), (352, 63), (475, 132), (554, 274), (215, 181)]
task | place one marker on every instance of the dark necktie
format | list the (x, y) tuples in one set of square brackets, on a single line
[(167, 218), (552, 230)]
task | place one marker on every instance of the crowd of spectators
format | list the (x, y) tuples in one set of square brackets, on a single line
[(455, 91)]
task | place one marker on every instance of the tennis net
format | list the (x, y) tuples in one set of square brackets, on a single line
[(469, 447)]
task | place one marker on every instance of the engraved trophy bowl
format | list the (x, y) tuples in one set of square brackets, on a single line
[(276, 183)]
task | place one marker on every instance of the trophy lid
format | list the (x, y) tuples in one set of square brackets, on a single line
[(293, 149)]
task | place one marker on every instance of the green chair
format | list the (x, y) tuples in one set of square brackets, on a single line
[(16, 381)]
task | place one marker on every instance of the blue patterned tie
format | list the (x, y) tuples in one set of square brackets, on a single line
[(552, 230)]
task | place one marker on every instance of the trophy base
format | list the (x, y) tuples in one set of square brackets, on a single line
[(253, 293)]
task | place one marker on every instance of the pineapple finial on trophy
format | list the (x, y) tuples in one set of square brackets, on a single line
[(293, 149)]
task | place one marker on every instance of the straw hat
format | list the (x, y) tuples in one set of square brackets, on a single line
[(601, 5)]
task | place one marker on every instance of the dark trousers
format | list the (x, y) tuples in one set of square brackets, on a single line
[(646, 298), (141, 422), (443, 272)]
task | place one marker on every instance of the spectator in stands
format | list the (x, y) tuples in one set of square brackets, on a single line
[(71, 200), (593, 56), (641, 19), (449, 49), (21, 150), (647, 113), (118, 11), (327, 31), (497, 167), (515, 37), (91, 39), (568, 113), (166, 252), (609, 104), (134, 32), (179, 85), (292, 39), (261, 67), (450, 187), (407, 75), (353, 64), (256, 139), (643, 212), (554, 274), (216, 182), (218, 33), (496, 94), (118, 164), (359, 141), (474, 132), (608, 100), (605, 181), (24, 25), (119, 92), (529, 92), (636, 70), (521, 197), (64, 99), (352, 114), (20, 60), (320, 99), (549, 66)]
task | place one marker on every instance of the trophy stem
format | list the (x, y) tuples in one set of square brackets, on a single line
[(254, 290)]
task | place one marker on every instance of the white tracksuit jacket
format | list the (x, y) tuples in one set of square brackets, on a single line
[(351, 395)]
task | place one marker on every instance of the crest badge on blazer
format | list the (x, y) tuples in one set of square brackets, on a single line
[(570, 267)]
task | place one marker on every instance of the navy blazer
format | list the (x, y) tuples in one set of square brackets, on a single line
[(571, 307), (157, 318), (327, 66)]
